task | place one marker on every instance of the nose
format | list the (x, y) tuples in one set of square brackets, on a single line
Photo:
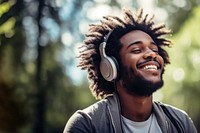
[(150, 54)]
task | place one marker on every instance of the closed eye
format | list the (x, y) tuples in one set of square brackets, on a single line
[(136, 51), (155, 50)]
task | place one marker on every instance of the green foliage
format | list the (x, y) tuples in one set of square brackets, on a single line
[(7, 27), (20, 94), (4, 7), (178, 11), (183, 76), (23, 29)]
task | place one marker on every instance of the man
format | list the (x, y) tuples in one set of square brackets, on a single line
[(125, 63)]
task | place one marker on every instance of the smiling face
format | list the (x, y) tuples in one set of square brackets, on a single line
[(141, 65)]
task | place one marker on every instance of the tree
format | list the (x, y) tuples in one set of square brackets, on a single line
[(40, 96), (178, 11), (35, 61), (182, 79), (11, 113)]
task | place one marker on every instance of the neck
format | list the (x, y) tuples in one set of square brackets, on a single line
[(135, 108)]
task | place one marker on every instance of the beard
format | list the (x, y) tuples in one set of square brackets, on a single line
[(138, 85)]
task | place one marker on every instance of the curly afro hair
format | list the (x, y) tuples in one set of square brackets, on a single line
[(89, 51)]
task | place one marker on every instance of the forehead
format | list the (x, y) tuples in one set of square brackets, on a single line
[(135, 36)]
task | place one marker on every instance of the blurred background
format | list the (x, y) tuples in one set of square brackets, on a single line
[(40, 85)]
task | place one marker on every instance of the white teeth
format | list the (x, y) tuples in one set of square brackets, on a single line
[(150, 67)]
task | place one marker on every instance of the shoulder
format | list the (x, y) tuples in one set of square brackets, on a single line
[(179, 115), (83, 120), (174, 110)]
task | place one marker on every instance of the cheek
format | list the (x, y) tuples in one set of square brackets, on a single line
[(161, 60), (128, 61), (133, 63), (132, 67), (128, 73)]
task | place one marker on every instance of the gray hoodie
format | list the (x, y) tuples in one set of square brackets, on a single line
[(105, 117)]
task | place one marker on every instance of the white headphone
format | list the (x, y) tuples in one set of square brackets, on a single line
[(108, 65)]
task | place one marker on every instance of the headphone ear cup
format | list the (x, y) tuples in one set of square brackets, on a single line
[(109, 68), (108, 65), (116, 69)]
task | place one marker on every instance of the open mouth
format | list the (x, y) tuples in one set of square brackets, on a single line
[(152, 65)]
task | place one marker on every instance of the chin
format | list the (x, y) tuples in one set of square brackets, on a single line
[(141, 86)]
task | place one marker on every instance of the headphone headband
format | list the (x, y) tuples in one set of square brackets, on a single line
[(102, 46), (106, 37)]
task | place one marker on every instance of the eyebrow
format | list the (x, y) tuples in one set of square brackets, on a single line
[(138, 42)]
